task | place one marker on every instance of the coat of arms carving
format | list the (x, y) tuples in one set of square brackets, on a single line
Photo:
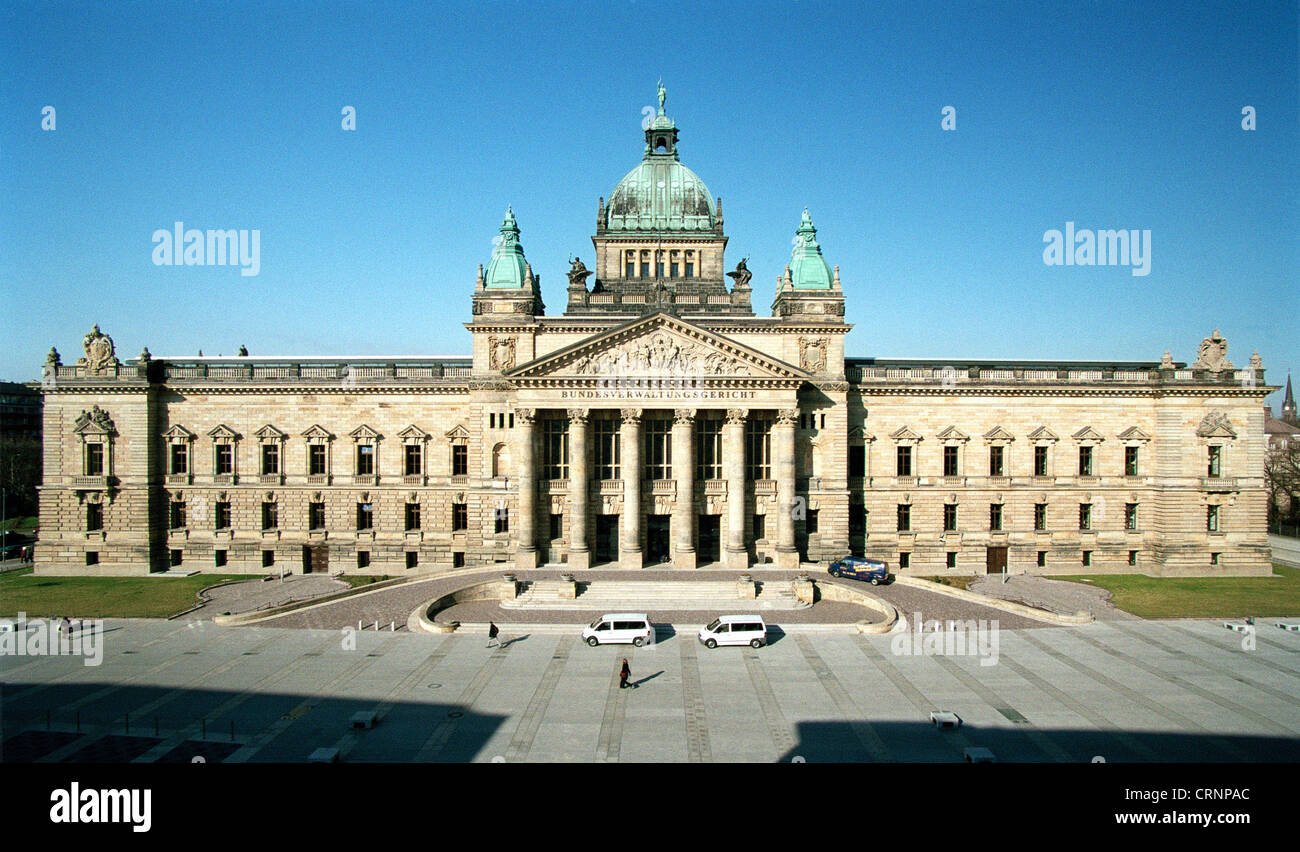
[(812, 354), (1213, 354), (100, 354), (501, 353)]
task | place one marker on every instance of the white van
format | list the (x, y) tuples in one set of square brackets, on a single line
[(619, 628), (735, 630)]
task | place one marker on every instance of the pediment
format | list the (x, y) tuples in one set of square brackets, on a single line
[(997, 433), (858, 433), (363, 433), (1087, 433), (223, 432), (905, 434), (270, 433), (952, 433), (658, 346), (1133, 433), (178, 433), (458, 432), (1042, 433), (1215, 425), (317, 433), (413, 433)]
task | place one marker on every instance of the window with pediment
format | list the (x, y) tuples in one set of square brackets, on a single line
[(224, 457)]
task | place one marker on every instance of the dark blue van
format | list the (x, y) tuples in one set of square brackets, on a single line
[(857, 568)]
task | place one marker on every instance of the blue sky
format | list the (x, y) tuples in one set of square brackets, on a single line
[(227, 115)]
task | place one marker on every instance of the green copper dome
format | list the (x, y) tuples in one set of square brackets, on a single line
[(507, 269), (808, 269), (661, 194)]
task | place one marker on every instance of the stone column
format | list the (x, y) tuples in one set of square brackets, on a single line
[(629, 548), (526, 552), (787, 556), (735, 555), (684, 473), (579, 494)]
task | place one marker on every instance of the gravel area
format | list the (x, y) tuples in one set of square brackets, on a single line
[(1053, 595), (260, 594), (395, 604)]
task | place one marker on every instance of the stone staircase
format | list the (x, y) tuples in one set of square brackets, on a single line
[(647, 596)]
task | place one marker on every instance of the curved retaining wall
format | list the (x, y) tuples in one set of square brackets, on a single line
[(996, 603)]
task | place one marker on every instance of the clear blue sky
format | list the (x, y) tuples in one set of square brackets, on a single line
[(227, 115)]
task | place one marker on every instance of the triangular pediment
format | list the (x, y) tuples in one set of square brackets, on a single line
[(1042, 433), (178, 433), (458, 432), (997, 433), (1087, 433), (223, 432), (363, 433), (1215, 425), (658, 346), (952, 433), (270, 433), (413, 433), (317, 433), (1133, 433), (858, 433), (905, 434)]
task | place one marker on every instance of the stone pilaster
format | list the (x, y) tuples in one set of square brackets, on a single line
[(629, 550), (526, 552), (735, 555), (579, 553), (787, 555), (684, 472)]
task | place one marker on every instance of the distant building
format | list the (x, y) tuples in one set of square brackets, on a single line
[(657, 421), (20, 411)]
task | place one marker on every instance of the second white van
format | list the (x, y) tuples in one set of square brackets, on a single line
[(619, 628), (734, 630)]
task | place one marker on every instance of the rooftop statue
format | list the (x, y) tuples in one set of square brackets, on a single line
[(742, 273), (578, 273)]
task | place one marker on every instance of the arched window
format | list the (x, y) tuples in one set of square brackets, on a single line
[(500, 460)]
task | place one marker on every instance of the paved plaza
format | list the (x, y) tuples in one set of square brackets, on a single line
[(1121, 691)]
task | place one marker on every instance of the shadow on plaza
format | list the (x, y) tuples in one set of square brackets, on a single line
[(193, 724), (921, 742)]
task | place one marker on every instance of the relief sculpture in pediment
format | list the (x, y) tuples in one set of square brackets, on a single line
[(661, 354)]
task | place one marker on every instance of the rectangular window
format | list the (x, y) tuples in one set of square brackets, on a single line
[(1042, 559), (997, 466), (1087, 558), (904, 517), (270, 516), (1130, 516), (658, 449), (555, 449), (365, 459), (492, 420), (857, 462), (557, 526), (629, 265), (760, 527), (949, 461), (413, 560), (176, 557), (219, 558), (675, 269), (1085, 516), (1132, 557), (94, 517), (94, 460), (758, 449), (365, 516), (904, 560), (412, 516), (1040, 461), (690, 265), (1130, 461), (270, 459), (316, 516), (316, 460), (457, 559), (460, 460), (178, 516), (268, 558), (607, 449), (1214, 559), (1085, 461), (810, 521), (904, 461), (221, 517), (995, 517), (1212, 519), (180, 459), (1040, 516), (659, 268), (950, 517), (363, 558), (225, 459), (92, 557), (459, 517), (645, 269), (952, 559), (412, 460), (1216, 455), (708, 448), (502, 519)]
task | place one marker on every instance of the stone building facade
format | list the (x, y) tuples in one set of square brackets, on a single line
[(658, 420)]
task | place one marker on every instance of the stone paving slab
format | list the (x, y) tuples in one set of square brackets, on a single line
[(1146, 691)]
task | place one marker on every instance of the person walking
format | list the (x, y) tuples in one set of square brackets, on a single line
[(493, 633), (623, 674)]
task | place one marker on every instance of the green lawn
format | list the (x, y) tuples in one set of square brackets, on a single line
[(102, 597), (1201, 597)]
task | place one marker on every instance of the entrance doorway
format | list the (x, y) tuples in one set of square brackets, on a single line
[(656, 539), (606, 538), (996, 562), (315, 559), (709, 548)]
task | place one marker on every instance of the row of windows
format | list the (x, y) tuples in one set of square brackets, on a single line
[(219, 558), (223, 463), (858, 517), (365, 516), (657, 449), (906, 458), (667, 264)]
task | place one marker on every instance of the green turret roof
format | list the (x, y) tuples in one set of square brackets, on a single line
[(808, 269), (507, 269)]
